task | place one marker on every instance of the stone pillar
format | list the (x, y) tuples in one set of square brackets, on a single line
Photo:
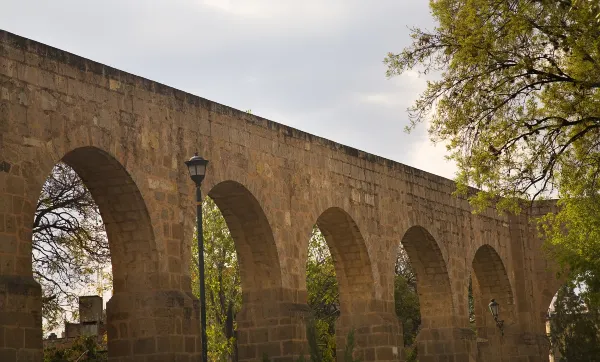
[(271, 324), (442, 339), (377, 336), (20, 319), (155, 325), (525, 346), (446, 344)]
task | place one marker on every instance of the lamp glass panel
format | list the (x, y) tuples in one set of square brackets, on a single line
[(200, 169), (192, 169), (494, 309)]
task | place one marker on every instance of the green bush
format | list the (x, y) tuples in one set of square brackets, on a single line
[(412, 354), (83, 349)]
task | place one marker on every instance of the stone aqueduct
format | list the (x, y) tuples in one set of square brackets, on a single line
[(127, 137)]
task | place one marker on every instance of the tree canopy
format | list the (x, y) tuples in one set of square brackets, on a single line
[(222, 281), (323, 294), (516, 98), (70, 248), (406, 297), (574, 325)]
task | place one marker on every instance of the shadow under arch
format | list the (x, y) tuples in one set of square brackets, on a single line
[(254, 242), (490, 280), (131, 240), (351, 260), (433, 280)]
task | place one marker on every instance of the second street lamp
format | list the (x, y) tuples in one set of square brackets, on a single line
[(197, 168), (494, 309)]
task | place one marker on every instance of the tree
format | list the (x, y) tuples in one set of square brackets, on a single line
[(222, 280), (323, 294), (471, 302), (406, 297), (70, 248), (517, 100), (574, 325)]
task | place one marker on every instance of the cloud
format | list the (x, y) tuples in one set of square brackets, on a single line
[(307, 10), (431, 158)]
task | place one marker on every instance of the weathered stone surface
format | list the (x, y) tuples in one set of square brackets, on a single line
[(127, 137)]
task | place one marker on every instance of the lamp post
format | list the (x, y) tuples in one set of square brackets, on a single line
[(494, 309), (197, 168)]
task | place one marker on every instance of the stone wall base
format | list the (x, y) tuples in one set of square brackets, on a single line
[(514, 347), (446, 344), (151, 326), (20, 319), (275, 329), (377, 336)]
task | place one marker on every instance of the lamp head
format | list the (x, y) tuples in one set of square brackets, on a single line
[(494, 308), (197, 168)]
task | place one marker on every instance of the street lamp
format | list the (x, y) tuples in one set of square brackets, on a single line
[(197, 167), (494, 309)]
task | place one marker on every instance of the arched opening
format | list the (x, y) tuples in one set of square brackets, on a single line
[(70, 260), (126, 219), (433, 282), (260, 271), (353, 271), (129, 234), (490, 281), (433, 323), (242, 274), (352, 263), (406, 298), (323, 298)]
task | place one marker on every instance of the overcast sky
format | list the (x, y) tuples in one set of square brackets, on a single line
[(315, 65)]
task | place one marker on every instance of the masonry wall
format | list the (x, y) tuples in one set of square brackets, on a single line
[(127, 137)]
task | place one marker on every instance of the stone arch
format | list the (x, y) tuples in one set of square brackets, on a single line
[(549, 292), (351, 260), (433, 281), (134, 256), (145, 306), (257, 252), (490, 280)]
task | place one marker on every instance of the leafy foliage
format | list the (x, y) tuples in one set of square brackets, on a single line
[(471, 301), (70, 248), (412, 354), (323, 295), (222, 281), (518, 103), (407, 308), (575, 326), (83, 349), (349, 350), (471, 306), (577, 249), (406, 297)]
